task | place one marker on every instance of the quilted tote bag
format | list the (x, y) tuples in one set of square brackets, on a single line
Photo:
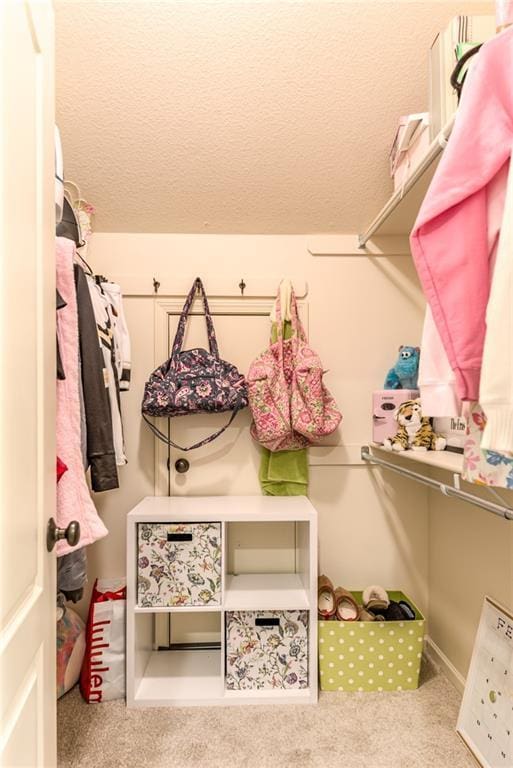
[(194, 380), (269, 390), (290, 404)]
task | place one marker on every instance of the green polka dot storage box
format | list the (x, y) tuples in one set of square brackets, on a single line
[(371, 655)]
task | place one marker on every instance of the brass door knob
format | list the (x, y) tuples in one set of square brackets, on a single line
[(55, 534), (182, 466)]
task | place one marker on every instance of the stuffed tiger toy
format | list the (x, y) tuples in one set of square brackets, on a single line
[(415, 430)]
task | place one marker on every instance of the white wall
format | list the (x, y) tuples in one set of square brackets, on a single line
[(470, 556), (374, 527), (360, 310)]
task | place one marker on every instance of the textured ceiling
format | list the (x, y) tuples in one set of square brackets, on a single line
[(239, 117)]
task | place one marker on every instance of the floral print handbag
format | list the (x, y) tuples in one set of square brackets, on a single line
[(290, 405), (480, 466), (194, 380)]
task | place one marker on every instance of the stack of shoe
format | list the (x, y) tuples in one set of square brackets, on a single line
[(339, 604), (336, 603)]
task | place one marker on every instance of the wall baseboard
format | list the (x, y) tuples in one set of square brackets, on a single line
[(438, 658)]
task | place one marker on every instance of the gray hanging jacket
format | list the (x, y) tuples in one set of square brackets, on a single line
[(100, 447)]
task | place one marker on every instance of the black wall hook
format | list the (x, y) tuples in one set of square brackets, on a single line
[(242, 285), (156, 286)]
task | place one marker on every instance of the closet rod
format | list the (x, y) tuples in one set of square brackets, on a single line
[(447, 490)]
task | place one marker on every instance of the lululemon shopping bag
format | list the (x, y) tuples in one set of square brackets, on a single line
[(103, 669)]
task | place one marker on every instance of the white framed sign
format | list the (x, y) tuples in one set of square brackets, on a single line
[(485, 721)]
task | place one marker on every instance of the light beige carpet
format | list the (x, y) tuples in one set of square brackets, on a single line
[(345, 730)]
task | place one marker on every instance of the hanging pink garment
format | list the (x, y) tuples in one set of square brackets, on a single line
[(452, 242), (73, 499)]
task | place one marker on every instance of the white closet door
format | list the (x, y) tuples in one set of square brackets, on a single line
[(27, 387)]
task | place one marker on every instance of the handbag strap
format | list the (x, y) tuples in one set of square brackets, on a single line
[(298, 332), (180, 331), (279, 328), (297, 325), (161, 436)]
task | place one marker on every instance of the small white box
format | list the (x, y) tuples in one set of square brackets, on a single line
[(454, 430), (406, 134), (412, 146)]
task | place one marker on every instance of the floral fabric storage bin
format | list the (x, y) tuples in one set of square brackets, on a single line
[(266, 649), (178, 564)]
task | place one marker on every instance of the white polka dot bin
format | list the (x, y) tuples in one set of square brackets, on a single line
[(380, 660)]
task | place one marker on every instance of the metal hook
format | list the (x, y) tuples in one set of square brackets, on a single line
[(242, 285), (156, 286)]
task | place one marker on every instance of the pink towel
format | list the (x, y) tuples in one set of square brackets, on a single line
[(73, 499)]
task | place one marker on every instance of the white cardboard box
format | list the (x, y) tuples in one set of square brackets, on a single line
[(410, 146)]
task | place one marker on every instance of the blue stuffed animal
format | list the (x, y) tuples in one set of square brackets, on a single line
[(405, 373)]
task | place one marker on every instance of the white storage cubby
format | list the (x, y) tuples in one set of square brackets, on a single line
[(268, 564)]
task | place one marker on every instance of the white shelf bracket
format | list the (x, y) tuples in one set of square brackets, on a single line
[(355, 245)]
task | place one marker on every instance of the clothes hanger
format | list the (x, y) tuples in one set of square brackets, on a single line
[(69, 225), (87, 267), (73, 193), (458, 82)]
